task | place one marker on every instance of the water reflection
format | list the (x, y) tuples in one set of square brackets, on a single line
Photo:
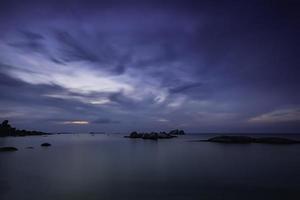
[(111, 167)]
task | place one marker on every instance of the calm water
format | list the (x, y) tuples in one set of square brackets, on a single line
[(111, 167)]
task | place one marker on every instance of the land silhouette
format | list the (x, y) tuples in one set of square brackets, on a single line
[(7, 130)]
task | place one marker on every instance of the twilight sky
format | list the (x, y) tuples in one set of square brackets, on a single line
[(119, 66)]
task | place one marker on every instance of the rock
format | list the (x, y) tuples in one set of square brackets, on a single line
[(134, 134), (163, 135), (6, 149), (247, 140), (177, 132), (5, 124), (46, 145)]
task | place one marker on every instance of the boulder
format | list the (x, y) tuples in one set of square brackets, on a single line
[(46, 144), (6, 149)]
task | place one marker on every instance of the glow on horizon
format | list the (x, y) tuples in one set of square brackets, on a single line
[(76, 122)]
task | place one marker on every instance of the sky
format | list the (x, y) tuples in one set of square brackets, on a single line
[(119, 66)]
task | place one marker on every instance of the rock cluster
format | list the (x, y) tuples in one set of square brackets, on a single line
[(7, 130), (155, 135)]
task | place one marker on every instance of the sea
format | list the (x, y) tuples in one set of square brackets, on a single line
[(111, 167)]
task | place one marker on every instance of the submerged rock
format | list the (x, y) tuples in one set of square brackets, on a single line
[(46, 144), (5, 149), (247, 140)]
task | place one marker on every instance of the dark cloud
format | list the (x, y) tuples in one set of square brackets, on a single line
[(7, 81), (31, 35), (72, 50), (17, 92), (30, 41), (185, 88), (122, 100), (204, 58)]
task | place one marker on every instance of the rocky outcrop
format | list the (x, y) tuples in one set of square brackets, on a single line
[(248, 140), (7, 149), (134, 134), (150, 136), (7, 130)]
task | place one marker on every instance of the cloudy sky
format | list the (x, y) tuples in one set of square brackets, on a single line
[(118, 66)]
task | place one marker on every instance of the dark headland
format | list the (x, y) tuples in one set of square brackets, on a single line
[(249, 140), (7, 130)]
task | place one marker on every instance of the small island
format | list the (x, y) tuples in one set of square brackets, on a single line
[(248, 140), (7, 130), (155, 135)]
